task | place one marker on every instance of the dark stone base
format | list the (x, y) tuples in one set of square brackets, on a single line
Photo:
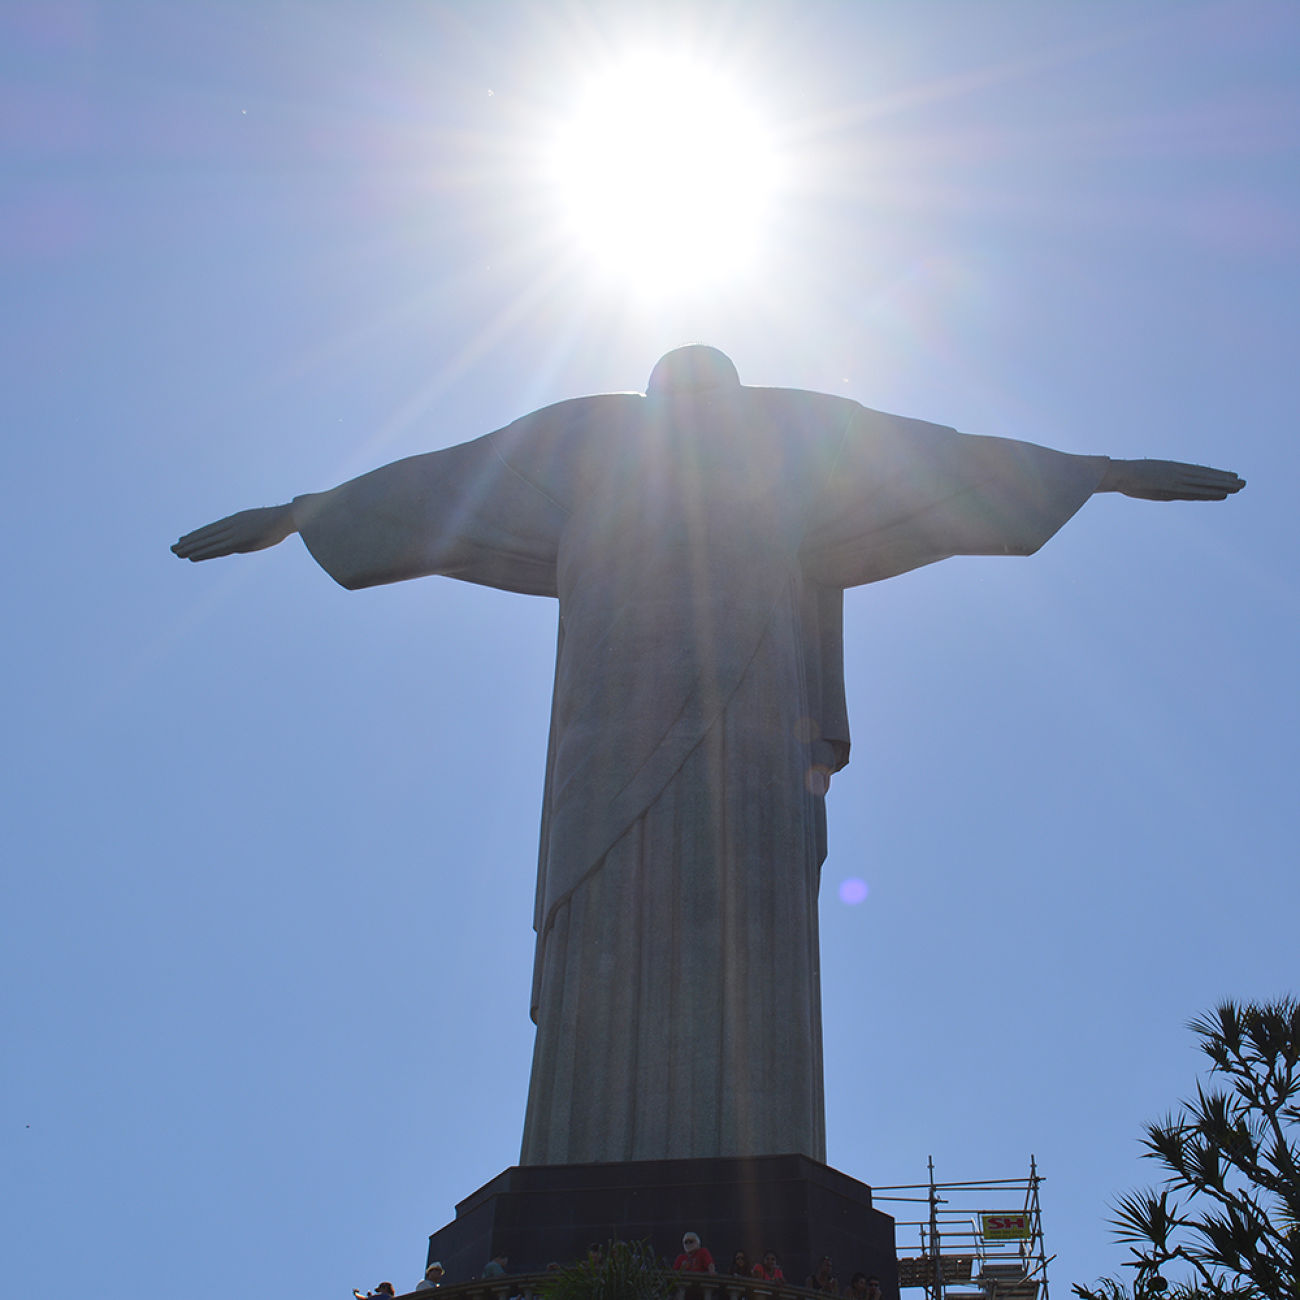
[(789, 1204)]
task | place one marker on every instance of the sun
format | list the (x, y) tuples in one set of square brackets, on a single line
[(663, 173)]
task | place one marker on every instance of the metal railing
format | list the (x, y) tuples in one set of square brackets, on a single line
[(694, 1286)]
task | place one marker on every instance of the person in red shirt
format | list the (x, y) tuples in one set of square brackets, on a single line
[(769, 1270), (694, 1257)]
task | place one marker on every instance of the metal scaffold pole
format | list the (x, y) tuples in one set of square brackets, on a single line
[(935, 1291)]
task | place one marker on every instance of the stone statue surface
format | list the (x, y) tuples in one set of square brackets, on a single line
[(699, 539)]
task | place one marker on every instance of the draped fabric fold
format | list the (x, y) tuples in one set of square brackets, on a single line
[(699, 547)]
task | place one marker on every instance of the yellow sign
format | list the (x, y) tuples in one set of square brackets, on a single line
[(1006, 1227)]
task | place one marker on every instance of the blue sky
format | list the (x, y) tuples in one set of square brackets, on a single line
[(270, 845)]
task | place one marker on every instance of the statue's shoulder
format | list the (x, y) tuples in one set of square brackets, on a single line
[(802, 415), (574, 417), (836, 409), (560, 446), (804, 402)]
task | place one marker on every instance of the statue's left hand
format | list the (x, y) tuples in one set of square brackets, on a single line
[(249, 530), (1169, 480)]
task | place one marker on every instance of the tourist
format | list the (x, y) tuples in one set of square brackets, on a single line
[(769, 1269), (862, 1287), (694, 1257), (432, 1279), (823, 1278)]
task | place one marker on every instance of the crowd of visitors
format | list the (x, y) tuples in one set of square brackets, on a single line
[(695, 1257)]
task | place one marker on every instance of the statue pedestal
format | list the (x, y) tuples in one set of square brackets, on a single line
[(789, 1204)]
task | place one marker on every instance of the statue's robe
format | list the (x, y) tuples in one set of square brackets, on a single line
[(699, 547)]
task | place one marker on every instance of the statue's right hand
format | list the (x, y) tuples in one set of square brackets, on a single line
[(249, 530)]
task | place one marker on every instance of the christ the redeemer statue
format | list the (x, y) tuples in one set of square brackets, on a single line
[(699, 539)]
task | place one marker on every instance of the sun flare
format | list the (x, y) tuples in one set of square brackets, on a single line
[(664, 173)]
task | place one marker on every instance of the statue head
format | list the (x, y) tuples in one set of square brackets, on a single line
[(692, 369)]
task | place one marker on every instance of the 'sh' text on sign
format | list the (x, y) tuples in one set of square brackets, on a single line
[(1005, 1227)]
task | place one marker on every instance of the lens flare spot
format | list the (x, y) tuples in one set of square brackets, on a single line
[(853, 891)]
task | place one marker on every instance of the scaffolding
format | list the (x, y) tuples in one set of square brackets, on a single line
[(974, 1244)]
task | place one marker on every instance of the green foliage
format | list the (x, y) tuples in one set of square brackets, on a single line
[(1232, 1156), (1109, 1289), (622, 1271)]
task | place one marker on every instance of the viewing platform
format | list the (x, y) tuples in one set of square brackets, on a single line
[(694, 1286), (791, 1205)]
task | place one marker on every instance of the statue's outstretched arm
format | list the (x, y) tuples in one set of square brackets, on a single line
[(1169, 480), (249, 530)]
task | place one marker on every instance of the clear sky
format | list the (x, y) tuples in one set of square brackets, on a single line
[(269, 846)]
